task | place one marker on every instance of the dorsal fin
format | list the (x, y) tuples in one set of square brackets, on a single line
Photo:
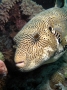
[(59, 3), (65, 3), (56, 3)]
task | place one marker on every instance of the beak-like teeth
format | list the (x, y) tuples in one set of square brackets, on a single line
[(20, 64)]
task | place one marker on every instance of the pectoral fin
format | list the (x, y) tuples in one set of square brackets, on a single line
[(55, 57)]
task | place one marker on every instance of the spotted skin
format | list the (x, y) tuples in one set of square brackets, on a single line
[(40, 38)]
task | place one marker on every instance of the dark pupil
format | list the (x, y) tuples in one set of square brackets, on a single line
[(36, 37), (50, 28)]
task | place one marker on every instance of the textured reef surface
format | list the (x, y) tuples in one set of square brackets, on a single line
[(14, 14)]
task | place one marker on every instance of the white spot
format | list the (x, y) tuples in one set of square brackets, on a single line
[(46, 55)]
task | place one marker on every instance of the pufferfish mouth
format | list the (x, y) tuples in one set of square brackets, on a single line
[(20, 64)]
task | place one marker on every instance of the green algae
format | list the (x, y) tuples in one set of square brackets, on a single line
[(1, 56)]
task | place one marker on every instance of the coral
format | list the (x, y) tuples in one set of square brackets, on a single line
[(1, 56), (3, 68), (4, 15), (5, 42), (56, 79), (17, 12), (28, 7)]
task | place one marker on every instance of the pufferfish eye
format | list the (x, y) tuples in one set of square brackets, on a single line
[(50, 28), (55, 33)]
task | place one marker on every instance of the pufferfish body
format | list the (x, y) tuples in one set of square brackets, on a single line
[(40, 41)]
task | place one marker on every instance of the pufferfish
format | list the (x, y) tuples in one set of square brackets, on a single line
[(42, 40)]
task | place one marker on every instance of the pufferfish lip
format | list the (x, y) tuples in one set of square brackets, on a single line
[(20, 64)]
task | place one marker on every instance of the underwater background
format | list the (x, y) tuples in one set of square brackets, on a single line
[(14, 14)]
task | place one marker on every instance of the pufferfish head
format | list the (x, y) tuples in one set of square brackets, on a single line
[(37, 42)]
